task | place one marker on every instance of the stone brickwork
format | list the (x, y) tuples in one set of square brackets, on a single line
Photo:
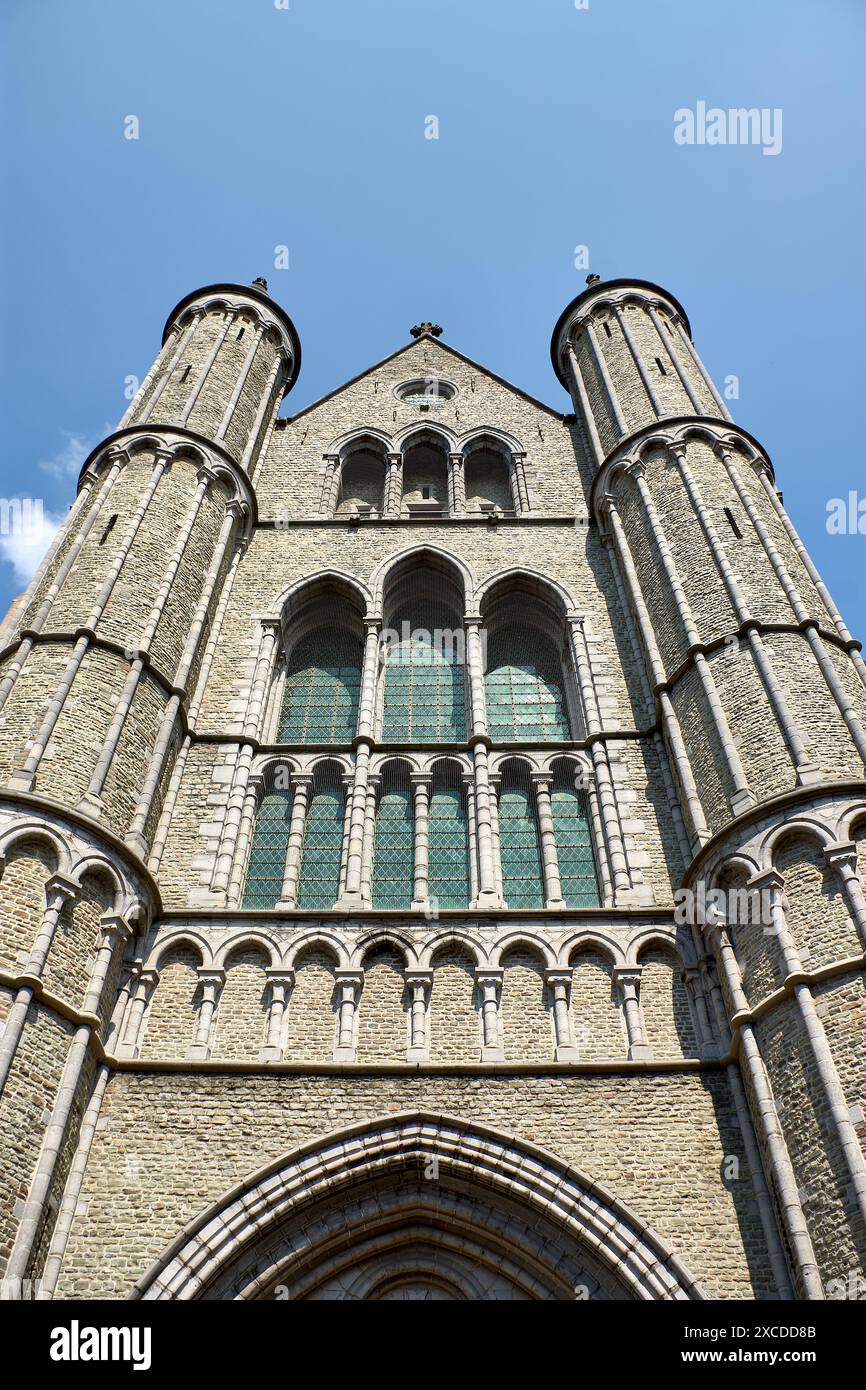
[(690, 1086)]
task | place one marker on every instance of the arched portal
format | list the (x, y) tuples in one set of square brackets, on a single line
[(418, 1206)]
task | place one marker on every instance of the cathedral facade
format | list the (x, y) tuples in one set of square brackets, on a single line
[(430, 838)]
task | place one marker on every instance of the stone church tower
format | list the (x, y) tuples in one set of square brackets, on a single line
[(430, 831)]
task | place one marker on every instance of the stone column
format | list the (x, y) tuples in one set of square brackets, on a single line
[(587, 417), (420, 983), (542, 783), (302, 787), (331, 484), (520, 489), (620, 424), (252, 802), (646, 380), (842, 858), (495, 788), (58, 892), (598, 752), (559, 983), (369, 677), (456, 485), (628, 979), (195, 319), (349, 982), (490, 985), (240, 383), (394, 485), (143, 986), (475, 669), (211, 982), (472, 837), (266, 403), (668, 346), (198, 387), (281, 983), (421, 785), (374, 784)]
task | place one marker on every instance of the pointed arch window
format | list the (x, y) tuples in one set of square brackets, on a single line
[(322, 690), (394, 842), (526, 698), (323, 841), (267, 862), (424, 678), (520, 848), (571, 829), (449, 840)]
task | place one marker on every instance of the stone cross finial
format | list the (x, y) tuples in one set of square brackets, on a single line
[(260, 283), (593, 279), (432, 328)]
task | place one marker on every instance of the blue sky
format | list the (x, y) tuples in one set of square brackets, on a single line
[(305, 127)]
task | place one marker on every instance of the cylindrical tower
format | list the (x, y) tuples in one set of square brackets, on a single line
[(97, 673), (761, 699)]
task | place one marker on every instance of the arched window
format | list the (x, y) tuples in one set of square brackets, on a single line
[(487, 474), (424, 678), (449, 839), (573, 839), (425, 476), (267, 861), (362, 483), (394, 842), (522, 877), (323, 841), (323, 685), (525, 689)]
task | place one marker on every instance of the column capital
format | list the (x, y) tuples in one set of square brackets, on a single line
[(559, 975), (770, 880), (419, 976), (210, 975), (489, 975), (627, 974), (421, 779), (838, 855), (278, 975), (541, 780), (68, 889), (113, 925), (348, 976)]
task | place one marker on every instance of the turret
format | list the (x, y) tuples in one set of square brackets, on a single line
[(761, 699), (229, 355)]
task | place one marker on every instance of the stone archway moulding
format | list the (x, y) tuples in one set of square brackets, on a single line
[(227, 1233)]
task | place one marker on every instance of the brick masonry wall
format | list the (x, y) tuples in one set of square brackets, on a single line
[(658, 1141)]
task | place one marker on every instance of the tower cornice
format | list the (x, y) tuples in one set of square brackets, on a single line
[(234, 296), (600, 292)]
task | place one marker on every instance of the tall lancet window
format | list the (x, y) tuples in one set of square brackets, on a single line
[(323, 840), (323, 685), (526, 697), (394, 841), (267, 861), (424, 653), (573, 839), (520, 848), (449, 838)]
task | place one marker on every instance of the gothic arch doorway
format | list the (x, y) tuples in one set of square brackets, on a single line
[(418, 1207)]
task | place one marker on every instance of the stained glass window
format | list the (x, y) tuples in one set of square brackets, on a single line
[(525, 694), (323, 843), (268, 853), (449, 845), (522, 877), (573, 841), (394, 844), (424, 677), (323, 686)]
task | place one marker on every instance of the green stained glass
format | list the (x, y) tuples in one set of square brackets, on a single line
[(449, 848), (574, 842), (525, 694), (323, 687), (520, 849), (323, 845), (394, 849), (268, 853), (424, 677)]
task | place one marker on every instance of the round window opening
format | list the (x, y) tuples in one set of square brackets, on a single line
[(426, 392)]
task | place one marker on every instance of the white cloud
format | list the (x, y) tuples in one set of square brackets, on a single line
[(67, 462), (23, 544)]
